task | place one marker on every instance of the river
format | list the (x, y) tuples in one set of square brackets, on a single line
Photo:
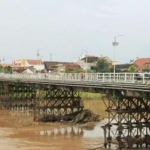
[(19, 132)]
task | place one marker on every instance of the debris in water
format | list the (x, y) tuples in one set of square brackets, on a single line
[(86, 116)]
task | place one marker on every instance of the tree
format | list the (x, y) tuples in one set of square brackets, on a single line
[(103, 65), (1, 68), (132, 68), (7, 69)]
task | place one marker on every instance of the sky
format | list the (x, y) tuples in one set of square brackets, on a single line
[(63, 30)]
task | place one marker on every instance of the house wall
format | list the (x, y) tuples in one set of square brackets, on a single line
[(61, 68), (84, 65), (39, 67), (24, 63)]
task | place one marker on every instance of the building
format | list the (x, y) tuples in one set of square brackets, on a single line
[(32, 65), (122, 67), (142, 64), (87, 62), (61, 66)]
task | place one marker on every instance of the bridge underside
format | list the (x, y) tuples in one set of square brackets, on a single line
[(48, 103)]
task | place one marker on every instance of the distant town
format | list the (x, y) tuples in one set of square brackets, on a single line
[(88, 64)]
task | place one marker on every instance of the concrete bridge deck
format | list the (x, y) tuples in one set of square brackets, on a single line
[(103, 77), (106, 80)]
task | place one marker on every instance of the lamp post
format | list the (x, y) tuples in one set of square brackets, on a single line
[(50, 56), (85, 57), (115, 43), (38, 57), (2, 64)]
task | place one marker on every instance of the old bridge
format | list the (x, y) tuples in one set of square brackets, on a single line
[(126, 97)]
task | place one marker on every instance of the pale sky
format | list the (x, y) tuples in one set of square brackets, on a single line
[(63, 29)]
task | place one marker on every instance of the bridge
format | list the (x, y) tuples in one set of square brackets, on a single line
[(57, 97)]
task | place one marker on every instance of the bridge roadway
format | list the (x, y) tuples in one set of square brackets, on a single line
[(124, 81), (126, 97)]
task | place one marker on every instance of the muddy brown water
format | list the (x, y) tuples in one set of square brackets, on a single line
[(19, 132)]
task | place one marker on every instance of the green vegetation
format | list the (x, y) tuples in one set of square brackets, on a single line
[(7, 69), (103, 65), (132, 69), (90, 96)]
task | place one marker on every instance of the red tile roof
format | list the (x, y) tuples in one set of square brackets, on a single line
[(6, 65), (72, 66), (34, 62), (141, 61)]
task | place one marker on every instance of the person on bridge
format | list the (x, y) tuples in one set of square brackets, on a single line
[(148, 73), (82, 75), (46, 74), (138, 75)]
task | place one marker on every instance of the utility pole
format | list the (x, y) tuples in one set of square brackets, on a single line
[(115, 43), (50, 56)]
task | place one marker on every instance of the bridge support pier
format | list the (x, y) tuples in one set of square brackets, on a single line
[(48, 103), (128, 120), (58, 104)]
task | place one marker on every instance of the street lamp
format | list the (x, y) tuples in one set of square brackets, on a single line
[(85, 58), (115, 44), (2, 63), (38, 57), (50, 56)]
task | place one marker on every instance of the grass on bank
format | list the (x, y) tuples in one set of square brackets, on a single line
[(90, 96)]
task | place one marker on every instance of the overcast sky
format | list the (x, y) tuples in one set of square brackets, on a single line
[(63, 29)]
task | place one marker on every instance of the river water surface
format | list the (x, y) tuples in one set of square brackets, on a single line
[(19, 132)]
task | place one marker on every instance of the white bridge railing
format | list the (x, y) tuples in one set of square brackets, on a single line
[(101, 77)]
